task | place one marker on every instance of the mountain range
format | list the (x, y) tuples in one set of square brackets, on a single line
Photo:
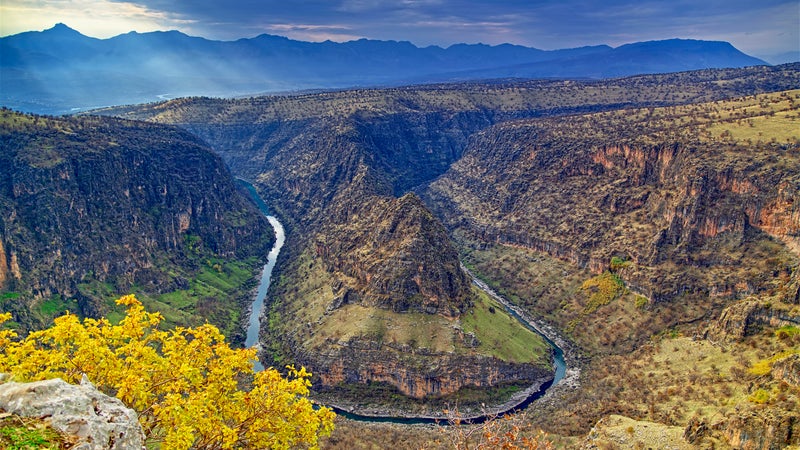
[(60, 70)]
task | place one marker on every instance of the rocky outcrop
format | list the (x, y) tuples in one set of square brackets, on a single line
[(762, 429), (95, 420), (746, 318), (395, 255), (787, 370), (695, 430), (620, 432), (417, 373)]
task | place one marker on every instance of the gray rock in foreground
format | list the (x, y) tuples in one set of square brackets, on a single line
[(98, 421)]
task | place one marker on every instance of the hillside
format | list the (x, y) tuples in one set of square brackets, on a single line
[(366, 264), (697, 203), (60, 70), (663, 240), (98, 207)]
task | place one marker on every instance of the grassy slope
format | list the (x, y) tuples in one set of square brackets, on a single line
[(499, 334)]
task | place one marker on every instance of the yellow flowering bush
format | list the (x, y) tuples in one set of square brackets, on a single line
[(185, 383)]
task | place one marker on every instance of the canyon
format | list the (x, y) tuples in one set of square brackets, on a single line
[(648, 219), (345, 171), (96, 207)]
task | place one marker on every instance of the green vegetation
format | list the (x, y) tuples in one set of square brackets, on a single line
[(215, 279), (618, 263), (759, 396), (787, 332), (18, 433), (602, 290), (501, 335), (9, 296), (763, 366), (217, 291), (57, 305)]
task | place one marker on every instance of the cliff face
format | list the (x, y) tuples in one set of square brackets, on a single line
[(747, 318), (415, 373), (100, 202), (762, 430), (698, 215)]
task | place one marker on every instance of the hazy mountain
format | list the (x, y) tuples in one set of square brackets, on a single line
[(59, 69)]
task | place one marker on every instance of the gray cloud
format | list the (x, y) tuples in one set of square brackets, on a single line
[(756, 27)]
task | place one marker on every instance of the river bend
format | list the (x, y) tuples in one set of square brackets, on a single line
[(517, 403)]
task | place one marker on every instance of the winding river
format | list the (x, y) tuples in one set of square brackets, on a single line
[(516, 404), (253, 324)]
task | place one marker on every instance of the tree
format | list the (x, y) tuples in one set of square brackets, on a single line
[(507, 432), (190, 388)]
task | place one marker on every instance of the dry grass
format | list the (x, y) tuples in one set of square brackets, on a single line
[(623, 433)]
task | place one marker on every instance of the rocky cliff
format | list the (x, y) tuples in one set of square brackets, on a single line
[(418, 373), (97, 207), (697, 215), (748, 317), (762, 430)]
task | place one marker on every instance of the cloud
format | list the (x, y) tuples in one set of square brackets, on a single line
[(312, 33), (753, 26), (100, 18)]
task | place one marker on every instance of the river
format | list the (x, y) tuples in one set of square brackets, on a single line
[(516, 404), (253, 324)]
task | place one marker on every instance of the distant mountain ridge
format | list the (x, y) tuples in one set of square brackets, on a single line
[(60, 69)]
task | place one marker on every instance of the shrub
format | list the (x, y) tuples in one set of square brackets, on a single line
[(787, 331), (618, 263), (602, 289), (759, 396), (184, 383)]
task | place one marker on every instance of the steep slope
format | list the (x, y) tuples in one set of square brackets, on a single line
[(688, 206), (59, 70), (97, 207), (694, 206)]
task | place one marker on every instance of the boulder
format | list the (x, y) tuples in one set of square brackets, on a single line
[(98, 421)]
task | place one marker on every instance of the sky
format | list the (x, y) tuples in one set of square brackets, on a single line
[(762, 28)]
